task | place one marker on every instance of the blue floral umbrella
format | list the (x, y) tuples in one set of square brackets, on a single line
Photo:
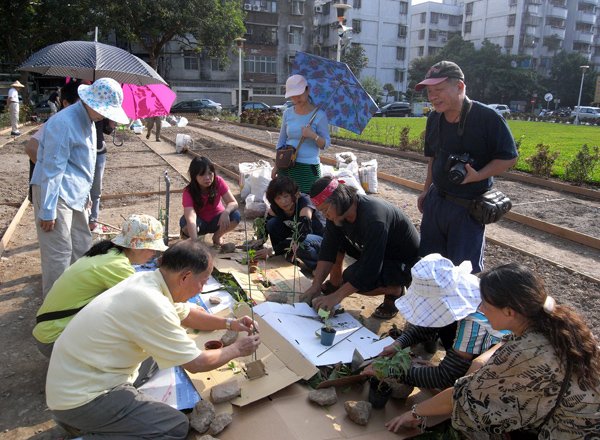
[(335, 89)]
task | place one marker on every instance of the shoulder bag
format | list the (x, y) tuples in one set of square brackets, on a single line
[(285, 157)]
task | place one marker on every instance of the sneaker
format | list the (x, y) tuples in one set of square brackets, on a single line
[(15, 133)]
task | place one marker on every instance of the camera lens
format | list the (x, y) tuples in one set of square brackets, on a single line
[(457, 173)]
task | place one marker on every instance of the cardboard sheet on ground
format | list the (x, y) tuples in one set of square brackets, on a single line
[(284, 365), (294, 323)]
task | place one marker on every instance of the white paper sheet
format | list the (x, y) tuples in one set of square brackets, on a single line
[(290, 320), (203, 299)]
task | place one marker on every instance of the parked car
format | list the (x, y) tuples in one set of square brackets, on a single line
[(399, 108), (282, 107), (212, 104), (501, 109), (587, 112), (195, 106), (256, 105)]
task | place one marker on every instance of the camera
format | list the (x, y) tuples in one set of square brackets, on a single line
[(455, 167)]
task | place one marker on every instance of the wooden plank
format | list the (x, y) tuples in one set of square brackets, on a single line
[(553, 229), (13, 225)]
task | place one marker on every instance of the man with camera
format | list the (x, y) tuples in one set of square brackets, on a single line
[(467, 143)]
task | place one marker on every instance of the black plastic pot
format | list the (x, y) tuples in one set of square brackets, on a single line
[(327, 336), (379, 393)]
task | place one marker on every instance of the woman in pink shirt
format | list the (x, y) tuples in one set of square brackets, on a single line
[(208, 204)]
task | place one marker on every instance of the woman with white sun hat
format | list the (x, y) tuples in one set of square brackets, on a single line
[(64, 173)]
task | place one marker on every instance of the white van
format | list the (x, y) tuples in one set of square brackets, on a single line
[(501, 109), (587, 112)]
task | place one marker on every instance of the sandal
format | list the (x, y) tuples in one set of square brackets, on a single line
[(327, 288), (385, 311)]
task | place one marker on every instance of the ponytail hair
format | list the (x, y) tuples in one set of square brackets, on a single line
[(102, 248), (518, 288)]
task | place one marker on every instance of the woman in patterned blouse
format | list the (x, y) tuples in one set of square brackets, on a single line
[(515, 386)]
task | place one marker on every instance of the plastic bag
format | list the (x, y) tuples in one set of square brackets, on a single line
[(349, 179), (368, 176), (254, 178), (183, 142), (254, 207), (182, 122), (347, 161)]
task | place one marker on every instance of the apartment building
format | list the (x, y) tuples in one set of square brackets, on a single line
[(379, 26), (537, 29)]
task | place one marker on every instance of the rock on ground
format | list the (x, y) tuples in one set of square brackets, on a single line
[(220, 422), (323, 397), (202, 416), (225, 392), (358, 411)]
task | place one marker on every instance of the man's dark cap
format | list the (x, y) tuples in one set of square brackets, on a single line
[(440, 72)]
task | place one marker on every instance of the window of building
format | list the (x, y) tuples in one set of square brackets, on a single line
[(217, 65), (421, 34), (469, 8), (269, 5), (356, 4), (325, 31), (326, 9), (468, 27), (559, 3), (588, 8), (511, 19), (297, 7), (433, 50), (581, 47), (401, 31), (398, 75), (421, 51), (356, 26), (583, 27), (260, 64), (190, 60), (403, 8), (555, 22), (546, 62), (400, 53), (264, 90), (435, 18), (295, 35), (509, 40), (512, 2), (455, 20), (423, 17), (433, 35)]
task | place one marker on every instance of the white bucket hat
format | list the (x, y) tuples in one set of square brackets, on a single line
[(17, 83), (440, 293), (295, 85), (141, 232), (105, 96)]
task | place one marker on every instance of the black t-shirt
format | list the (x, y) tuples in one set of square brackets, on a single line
[(380, 232), (317, 223), (486, 137)]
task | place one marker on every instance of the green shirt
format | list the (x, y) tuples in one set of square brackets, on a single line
[(85, 279)]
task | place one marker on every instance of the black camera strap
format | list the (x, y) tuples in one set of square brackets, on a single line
[(464, 111)]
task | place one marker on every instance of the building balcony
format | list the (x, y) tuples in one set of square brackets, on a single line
[(261, 40), (560, 33), (586, 17), (555, 11), (583, 37)]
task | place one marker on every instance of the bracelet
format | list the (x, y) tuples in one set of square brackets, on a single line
[(317, 139), (228, 322), (421, 419)]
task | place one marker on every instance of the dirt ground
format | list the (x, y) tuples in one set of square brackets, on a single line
[(130, 169)]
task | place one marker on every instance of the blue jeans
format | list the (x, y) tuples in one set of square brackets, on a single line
[(96, 190), (281, 236), (448, 229), (212, 226)]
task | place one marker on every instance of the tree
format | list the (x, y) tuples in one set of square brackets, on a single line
[(372, 86), (201, 25), (565, 79), (356, 59)]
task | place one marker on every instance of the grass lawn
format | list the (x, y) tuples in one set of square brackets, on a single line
[(566, 139)]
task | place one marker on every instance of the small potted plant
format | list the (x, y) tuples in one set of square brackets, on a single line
[(388, 374), (327, 331), (251, 261)]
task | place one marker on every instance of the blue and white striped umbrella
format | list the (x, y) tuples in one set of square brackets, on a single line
[(89, 60)]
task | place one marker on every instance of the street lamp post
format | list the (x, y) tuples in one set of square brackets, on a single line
[(240, 44), (341, 8), (583, 69)]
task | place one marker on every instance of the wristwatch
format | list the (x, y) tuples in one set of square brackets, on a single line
[(317, 139), (228, 323)]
